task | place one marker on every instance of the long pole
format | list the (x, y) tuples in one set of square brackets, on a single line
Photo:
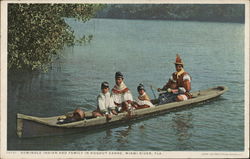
[(153, 91)]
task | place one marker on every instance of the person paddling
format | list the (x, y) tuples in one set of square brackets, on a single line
[(178, 86), (105, 103), (143, 100), (121, 94)]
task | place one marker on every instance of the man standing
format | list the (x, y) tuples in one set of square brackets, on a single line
[(105, 103), (179, 84), (121, 94)]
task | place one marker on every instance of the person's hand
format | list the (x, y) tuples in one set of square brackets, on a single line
[(114, 112), (169, 90), (175, 91), (134, 104), (108, 116), (129, 101)]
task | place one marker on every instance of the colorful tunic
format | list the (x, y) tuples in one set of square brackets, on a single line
[(121, 94), (181, 81)]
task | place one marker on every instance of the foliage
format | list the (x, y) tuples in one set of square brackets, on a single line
[(198, 12), (36, 32)]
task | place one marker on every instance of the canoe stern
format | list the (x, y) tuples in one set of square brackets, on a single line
[(19, 126)]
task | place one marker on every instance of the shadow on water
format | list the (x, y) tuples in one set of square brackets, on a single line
[(123, 134), (116, 135), (182, 123)]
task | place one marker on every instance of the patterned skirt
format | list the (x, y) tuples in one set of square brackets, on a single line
[(167, 98)]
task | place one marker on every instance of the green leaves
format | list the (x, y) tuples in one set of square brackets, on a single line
[(36, 32)]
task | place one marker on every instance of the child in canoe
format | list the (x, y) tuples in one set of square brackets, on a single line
[(121, 94), (143, 100), (105, 103)]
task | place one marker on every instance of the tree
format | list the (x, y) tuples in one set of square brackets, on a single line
[(197, 12), (36, 32)]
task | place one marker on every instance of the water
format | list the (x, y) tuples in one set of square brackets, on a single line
[(144, 51)]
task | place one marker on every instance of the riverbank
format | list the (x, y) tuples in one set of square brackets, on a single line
[(234, 13)]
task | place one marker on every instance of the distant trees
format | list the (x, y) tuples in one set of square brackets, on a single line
[(199, 12), (36, 32)]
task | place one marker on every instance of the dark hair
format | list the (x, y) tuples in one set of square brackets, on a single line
[(118, 75), (140, 87), (105, 85), (179, 64)]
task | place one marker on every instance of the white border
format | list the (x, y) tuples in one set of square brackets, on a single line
[(247, 91), (3, 86), (133, 1), (115, 154)]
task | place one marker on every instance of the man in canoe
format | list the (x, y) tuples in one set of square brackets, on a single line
[(121, 94), (178, 86), (105, 103), (143, 100)]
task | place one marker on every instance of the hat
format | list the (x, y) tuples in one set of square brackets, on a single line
[(140, 87), (118, 75), (105, 85), (178, 60)]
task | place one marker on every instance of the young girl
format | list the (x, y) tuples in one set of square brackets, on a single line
[(143, 101)]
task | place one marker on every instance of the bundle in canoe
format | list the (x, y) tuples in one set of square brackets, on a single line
[(30, 126)]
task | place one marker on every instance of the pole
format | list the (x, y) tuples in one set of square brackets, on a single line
[(153, 91)]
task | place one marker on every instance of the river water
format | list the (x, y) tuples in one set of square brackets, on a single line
[(144, 51)]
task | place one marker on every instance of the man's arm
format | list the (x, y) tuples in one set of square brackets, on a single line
[(187, 83)]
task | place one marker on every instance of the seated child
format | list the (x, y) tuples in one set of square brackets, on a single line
[(143, 101), (105, 103)]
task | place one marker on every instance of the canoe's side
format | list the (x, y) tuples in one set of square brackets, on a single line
[(29, 126), (199, 96)]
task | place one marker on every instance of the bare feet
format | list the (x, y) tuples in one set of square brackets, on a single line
[(108, 116), (114, 112)]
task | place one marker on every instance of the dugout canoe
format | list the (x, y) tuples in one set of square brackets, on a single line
[(31, 126)]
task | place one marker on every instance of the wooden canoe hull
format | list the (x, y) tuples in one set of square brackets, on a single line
[(30, 126)]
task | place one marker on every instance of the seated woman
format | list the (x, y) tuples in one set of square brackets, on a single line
[(121, 94), (143, 101)]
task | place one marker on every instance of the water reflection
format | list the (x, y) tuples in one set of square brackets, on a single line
[(108, 135), (182, 124), (122, 135)]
